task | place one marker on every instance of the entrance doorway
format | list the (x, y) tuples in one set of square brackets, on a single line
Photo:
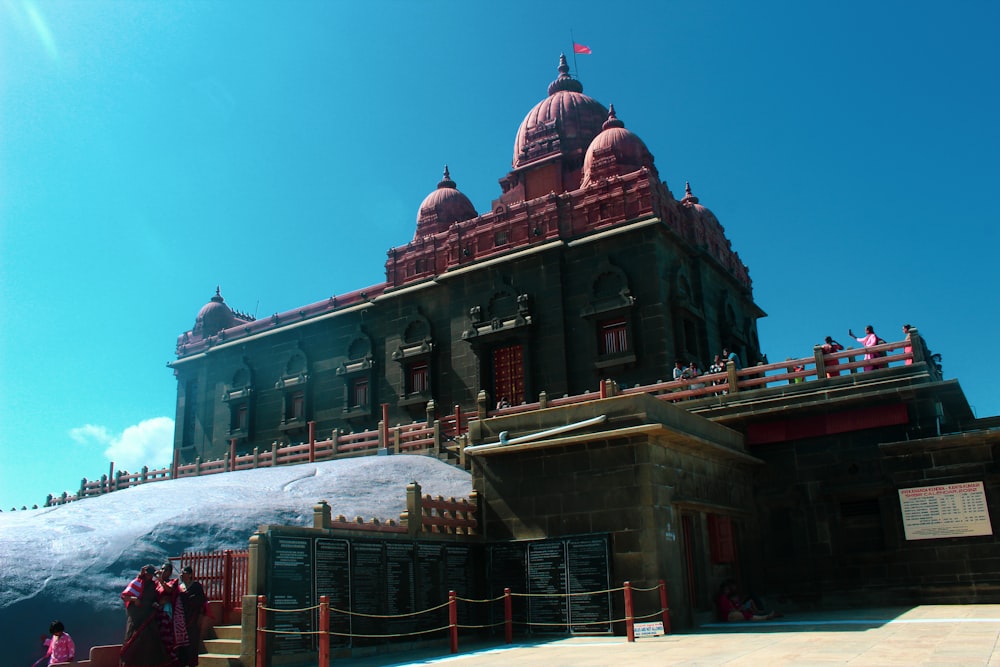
[(508, 374)]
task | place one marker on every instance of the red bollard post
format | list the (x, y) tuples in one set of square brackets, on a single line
[(453, 619), (312, 442), (227, 584), (629, 614), (324, 631), (665, 607), (458, 420), (261, 635), (508, 617)]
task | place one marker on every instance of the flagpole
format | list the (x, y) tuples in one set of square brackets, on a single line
[(572, 39)]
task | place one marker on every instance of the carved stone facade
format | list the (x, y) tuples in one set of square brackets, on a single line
[(585, 268)]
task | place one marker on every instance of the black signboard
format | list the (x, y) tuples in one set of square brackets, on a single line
[(548, 570), (548, 605), (368, 590), (291, 588), (431, 590), (462, 572), (587, 565), (333, 579), (508, 569), (400, 586)]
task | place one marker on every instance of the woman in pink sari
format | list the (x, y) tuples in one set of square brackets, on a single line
[(868, 340)]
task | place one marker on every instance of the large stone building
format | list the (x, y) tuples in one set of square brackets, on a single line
[(822, 485), (586, 267)]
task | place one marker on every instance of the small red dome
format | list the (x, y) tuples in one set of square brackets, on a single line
[(615, 152), (213, 317), (566, 115), (442, 208)]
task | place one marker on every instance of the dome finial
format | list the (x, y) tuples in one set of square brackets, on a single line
[(689, 198), (446, 181), (612, 120), (218, 295), (564, 81)]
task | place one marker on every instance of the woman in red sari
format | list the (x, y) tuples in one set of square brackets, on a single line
[(143, 646), (173, 629)]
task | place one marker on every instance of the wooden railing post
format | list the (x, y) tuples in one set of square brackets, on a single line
[(324, 631), (227, 581), (312, 442), (820, 362), (508, 617), (458, 420), (232, 454), (437, 436), (543, 400), (414, 509), (397, 439), (383, 428), (453, 619), (665, 607), (261, 658), (629, 614), (481, 404), (732, 377)]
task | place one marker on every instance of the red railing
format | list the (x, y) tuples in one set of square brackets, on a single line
[(419, 436), (223, 575)]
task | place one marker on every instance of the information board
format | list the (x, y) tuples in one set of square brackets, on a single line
[(951, 510), (368, 591), (588, 572), (291, 588), (333, 579), (548, 607), (508, 569)]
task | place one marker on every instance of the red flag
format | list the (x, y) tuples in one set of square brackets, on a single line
[(580, 48)]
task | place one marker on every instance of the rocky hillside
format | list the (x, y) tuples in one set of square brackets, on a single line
[(71, 562)]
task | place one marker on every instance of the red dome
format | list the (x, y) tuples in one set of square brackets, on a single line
[(566, 115), (213, 317), (442, 208), (615, 151)]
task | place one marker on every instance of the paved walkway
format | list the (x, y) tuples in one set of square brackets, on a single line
[(945, 635)]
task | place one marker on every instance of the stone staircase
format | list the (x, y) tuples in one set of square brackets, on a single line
[(224, 650)]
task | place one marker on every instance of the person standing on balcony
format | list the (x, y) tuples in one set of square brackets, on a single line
[(829, 347), (731, 356), (868, 340), (908, 330), (195, 609)]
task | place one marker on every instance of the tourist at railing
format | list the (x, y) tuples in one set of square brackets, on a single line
[(829, 347), (869, 340), (908, 330), (732, 356)]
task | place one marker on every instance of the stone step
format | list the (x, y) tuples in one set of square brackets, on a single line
[(228, 632), (218, 660), (223, 646)]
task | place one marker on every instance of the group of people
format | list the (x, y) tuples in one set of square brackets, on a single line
[(869, 340), (733, 607), (691, 370), (164, 618)]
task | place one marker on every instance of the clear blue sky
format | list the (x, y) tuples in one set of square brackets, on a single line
[(150, 151)]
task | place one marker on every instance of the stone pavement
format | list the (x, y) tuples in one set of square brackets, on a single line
[(925, 635)]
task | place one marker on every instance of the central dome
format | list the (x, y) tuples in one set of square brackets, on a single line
[(564, 122)]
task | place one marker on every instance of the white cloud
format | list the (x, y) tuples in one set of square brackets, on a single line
[(148, 443)]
